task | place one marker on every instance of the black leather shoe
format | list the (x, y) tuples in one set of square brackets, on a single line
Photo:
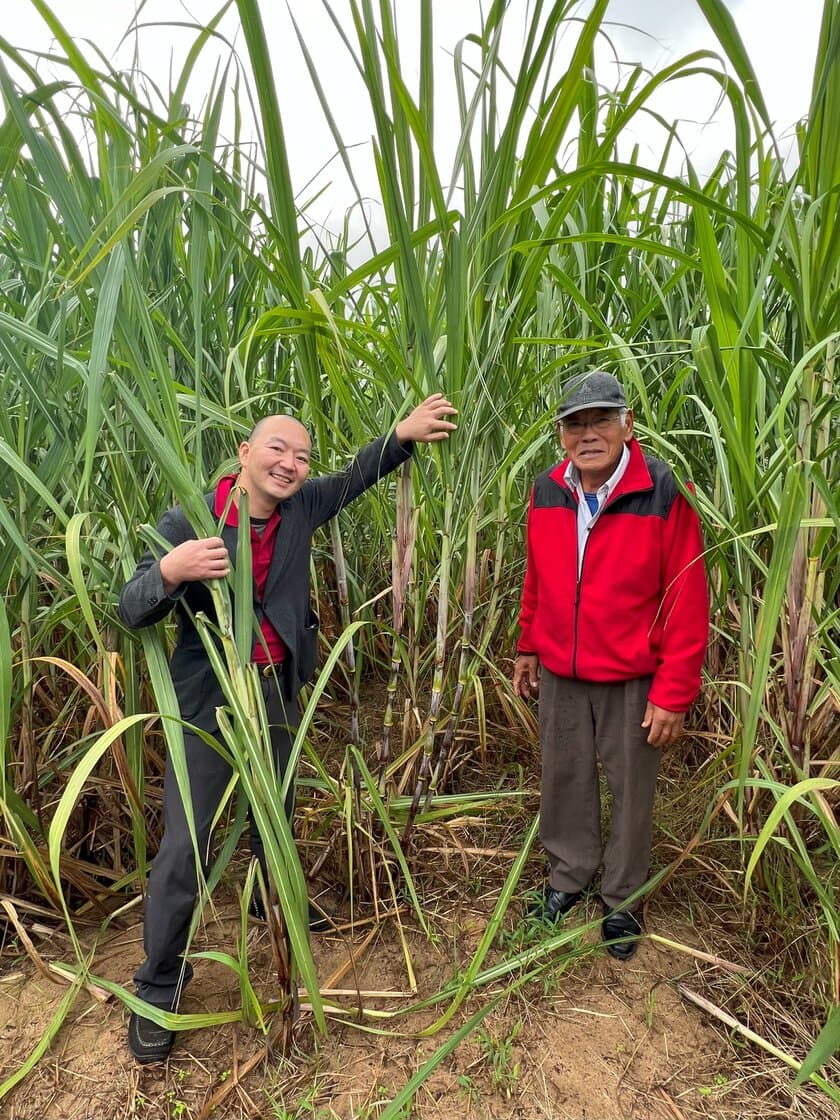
[(147, 1041), (621, 931), (554, 904)]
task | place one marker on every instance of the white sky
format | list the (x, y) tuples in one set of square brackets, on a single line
[(780, 38)]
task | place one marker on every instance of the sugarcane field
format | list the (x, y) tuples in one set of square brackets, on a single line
[(420, 554)]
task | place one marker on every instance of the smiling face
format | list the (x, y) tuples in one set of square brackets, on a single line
[(594, 438), (275, 463)]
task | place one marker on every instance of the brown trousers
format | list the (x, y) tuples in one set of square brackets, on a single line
[(580, 722)]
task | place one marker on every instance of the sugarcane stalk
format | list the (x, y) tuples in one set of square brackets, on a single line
[(442, 759), (344, 614), (243, 725), (804, 592), (30, 788), (402, 555), (490, 614), (428, 740)]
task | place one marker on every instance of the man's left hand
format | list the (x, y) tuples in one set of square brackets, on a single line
[(665, 727), (427, 423)]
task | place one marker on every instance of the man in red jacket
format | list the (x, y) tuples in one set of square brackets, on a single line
[(614, 625)]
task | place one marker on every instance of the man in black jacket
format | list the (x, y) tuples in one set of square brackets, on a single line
[(285, 507)]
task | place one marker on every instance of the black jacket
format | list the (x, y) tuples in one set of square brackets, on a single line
[(143, 600)]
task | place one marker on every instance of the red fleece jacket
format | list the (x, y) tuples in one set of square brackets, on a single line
[(640, 606)]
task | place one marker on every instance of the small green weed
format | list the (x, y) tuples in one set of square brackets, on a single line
[(498, 1055), (720, 1079), (467, 1087), (177, 1107)]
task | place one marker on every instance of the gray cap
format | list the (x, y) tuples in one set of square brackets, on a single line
[(591, 390)]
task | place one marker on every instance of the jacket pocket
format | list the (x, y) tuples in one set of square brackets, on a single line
[(192, 688)]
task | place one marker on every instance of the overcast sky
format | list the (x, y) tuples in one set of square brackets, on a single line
[(780, 38)]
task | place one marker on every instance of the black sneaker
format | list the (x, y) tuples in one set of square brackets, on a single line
[(147, 1041), (256, 907)]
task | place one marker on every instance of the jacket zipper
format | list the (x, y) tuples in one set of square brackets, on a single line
[(617, 493), (577, 605)]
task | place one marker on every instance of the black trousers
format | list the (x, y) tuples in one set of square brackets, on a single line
[(173, 881)]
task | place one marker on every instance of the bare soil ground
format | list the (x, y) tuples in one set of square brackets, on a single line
[(590, 1039), (599, 1040)]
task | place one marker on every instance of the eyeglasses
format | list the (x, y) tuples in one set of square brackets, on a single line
[(575, 427)]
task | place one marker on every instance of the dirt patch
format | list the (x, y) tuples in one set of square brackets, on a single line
[(592, 1039)]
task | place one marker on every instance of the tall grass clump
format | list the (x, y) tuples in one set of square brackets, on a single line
[(157, 296)]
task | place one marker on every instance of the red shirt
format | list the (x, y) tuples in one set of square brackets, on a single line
[(262, 549)]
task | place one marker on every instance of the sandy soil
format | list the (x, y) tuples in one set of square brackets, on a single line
[(598, 1040)]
